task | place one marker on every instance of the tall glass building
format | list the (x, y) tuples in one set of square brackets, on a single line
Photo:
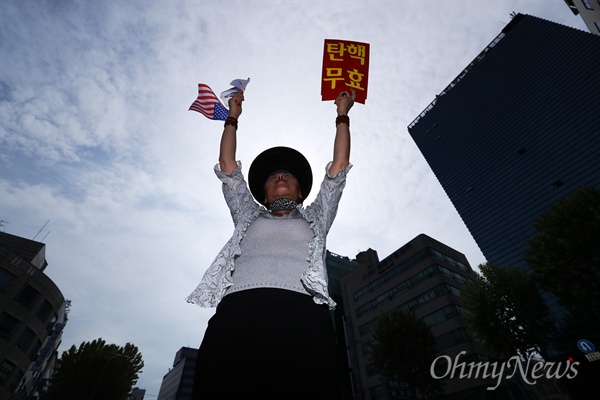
[(518, 129)]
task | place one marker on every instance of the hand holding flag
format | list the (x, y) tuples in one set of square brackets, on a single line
[(209, 105)]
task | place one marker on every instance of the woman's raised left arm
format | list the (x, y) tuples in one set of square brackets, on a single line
[(341, 145)]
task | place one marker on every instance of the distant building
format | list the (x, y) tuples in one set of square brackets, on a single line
[(178, 383), (589, 10), (424, 276), (137, 394), (338, 266), (33, 313)]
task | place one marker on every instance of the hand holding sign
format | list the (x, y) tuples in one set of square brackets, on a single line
[(344, 102), (345, 67)]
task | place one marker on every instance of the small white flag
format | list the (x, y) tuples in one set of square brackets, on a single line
[(239, 85)]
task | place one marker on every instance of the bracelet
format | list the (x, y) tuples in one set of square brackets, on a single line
[(231, 121), (342, 119)]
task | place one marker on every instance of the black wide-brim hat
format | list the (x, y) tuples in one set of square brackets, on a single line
[(279, 159)]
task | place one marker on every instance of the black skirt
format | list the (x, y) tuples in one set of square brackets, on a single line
[(268, 344)]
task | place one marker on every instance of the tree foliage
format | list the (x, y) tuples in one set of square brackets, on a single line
[(506, 311), (96, 371), (564, 254), (404, 349)]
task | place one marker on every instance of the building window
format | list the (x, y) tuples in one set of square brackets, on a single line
[(7, 324), (6, 369), (35, 350), (44, 311), (587, 4), (50, 325), (25, 339), (449, 260), (6, 280), (371, 369), (441, 315), (392, 273), (27, 296), (452, 338), (379, 392)]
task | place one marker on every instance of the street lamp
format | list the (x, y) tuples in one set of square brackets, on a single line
[(110, 357)]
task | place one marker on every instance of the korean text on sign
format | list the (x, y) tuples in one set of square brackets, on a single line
[(345, 67)]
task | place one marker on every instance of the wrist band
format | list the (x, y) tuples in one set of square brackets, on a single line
[(342, 119), (231, 121)]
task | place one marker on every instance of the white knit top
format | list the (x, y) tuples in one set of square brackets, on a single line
[(274, 253)]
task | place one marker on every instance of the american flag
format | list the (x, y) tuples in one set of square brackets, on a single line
[(208, 104)]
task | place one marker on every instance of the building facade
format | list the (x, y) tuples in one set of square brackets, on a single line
[(424, 276), (33, 313), (137, 394), (589, 10), (518, 129), (339, 266), (178, 383)]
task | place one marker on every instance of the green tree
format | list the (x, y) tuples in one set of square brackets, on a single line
[(564, 254), (505, 310), (96, 371), (404, 349)]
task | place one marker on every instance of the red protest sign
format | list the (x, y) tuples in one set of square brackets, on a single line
[(345, 67)]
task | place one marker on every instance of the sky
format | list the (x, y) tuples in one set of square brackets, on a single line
[(101, 160)]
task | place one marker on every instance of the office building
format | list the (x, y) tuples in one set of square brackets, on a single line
[(424, 276), (517, 129), (33, 313), (137, 394), (338, 266), (178, 383), (589, 10)]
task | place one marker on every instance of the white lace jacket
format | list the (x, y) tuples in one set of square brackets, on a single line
[(320, 215)]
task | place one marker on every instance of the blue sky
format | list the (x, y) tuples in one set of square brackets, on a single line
[(96, 137)]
